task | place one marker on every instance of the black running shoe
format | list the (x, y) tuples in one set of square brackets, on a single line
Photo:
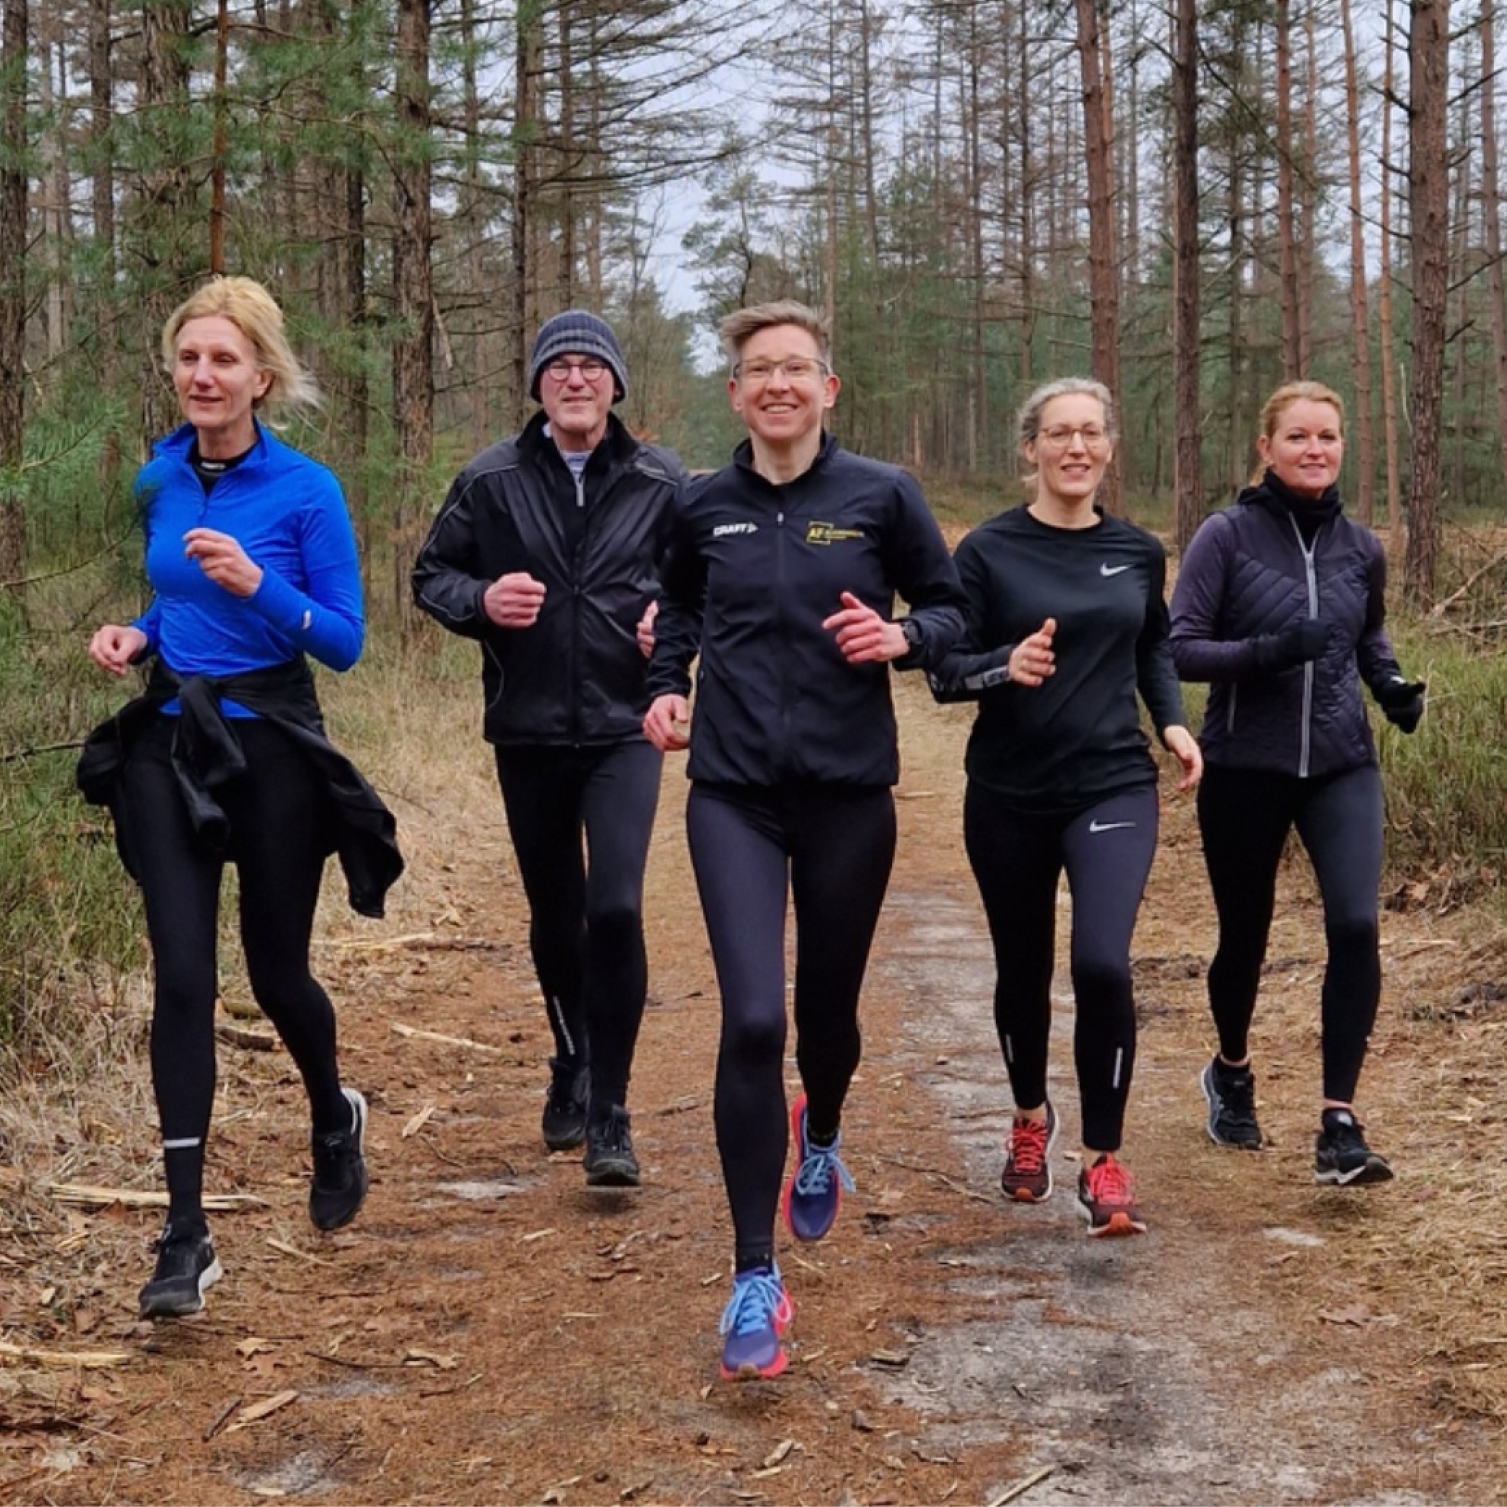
[(564, 1122), (339, 1186), (609, 1159), (1231, 1092), (186, 1267), (1341, 1156)]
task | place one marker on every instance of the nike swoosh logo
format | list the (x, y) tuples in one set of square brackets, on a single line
[(1112, 570), (1108, 826)]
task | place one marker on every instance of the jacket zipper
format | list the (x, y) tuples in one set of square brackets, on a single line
[(1310, 669)]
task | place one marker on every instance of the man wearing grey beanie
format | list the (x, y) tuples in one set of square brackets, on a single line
[(545, 552)]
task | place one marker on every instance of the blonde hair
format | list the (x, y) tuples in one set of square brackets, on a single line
[(739, 328), (1283, 399), (255, 313), (1029, 419)]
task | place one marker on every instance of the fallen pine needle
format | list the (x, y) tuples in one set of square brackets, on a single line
[(88, 1196), (418, 1122), (293, 1250), (1022, 1486), (221, 1419), (88, 1360), (449, 1041)]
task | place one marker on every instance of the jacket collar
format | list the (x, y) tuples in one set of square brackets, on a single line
[(1282, 502)]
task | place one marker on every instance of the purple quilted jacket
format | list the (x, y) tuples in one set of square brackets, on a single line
[(1248, 574)]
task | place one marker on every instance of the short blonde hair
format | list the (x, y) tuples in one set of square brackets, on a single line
[(739, 328), (255, 313), (1283, 399), (1029, 418)]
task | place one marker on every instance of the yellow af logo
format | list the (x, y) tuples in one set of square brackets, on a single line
[(825, 533)]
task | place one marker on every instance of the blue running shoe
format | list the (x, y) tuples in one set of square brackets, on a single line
[(816, 1186), (757, 1314)]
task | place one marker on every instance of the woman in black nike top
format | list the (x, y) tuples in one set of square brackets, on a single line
[(1281, 606), (1066, 623), (782, 573)]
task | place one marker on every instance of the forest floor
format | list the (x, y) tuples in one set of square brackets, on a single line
[(491, 1331)]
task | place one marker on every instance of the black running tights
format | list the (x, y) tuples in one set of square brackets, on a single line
[(1245, 817), (276, 822), (580, 820), (830, 849), (1018, 858)]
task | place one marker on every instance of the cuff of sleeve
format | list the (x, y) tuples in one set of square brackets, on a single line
[(281, 604)]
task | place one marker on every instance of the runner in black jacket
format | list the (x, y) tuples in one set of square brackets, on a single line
[(782, 574), (1066, 623), (545, 552), (1281, 606)]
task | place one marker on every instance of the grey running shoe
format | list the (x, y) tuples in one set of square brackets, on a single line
[(340, 1179), (1341, 1156), (186, 1268), (1231, 1092), (609, 1159), (564, 1121)]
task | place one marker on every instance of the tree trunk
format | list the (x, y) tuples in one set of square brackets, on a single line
[(1384, 301), (413, 297), (1287, 250), (1491, 203), (525, 131), (1103, 270), (1360, 319), (13, 154), (1187, 465), (1428, 205)]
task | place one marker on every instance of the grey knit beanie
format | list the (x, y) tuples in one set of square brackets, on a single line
[(577, 333)]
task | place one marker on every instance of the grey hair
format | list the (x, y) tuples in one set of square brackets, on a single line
[(739, 328), (1029, 420)]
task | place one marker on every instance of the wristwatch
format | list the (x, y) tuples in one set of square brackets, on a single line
[(912, 631)]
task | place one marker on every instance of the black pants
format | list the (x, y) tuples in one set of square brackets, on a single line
[(1245, 817), (1018, 858), (830, 848), (586, 928), (277, 823)]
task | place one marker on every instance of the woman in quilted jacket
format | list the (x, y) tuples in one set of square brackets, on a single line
[(1280, 607)]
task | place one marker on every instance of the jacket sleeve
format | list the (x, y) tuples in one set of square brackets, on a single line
[(1197, 603), (447, 579), (682, 599), (923, 573), (1375, 657), (969, 667), (1156, 675)]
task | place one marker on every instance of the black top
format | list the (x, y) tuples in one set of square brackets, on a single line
[(752, 571), (1077, 737)]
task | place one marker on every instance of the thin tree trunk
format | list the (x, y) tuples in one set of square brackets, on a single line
[(525, 130), (13, 45), (1287, 251), (1360, 319), (1491, 208), (1389, 417), (1428, 219), (1188, 462), (217, 151), (1309, 195), (1103, 269)]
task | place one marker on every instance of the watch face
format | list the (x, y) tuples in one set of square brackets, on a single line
[(912, 632)]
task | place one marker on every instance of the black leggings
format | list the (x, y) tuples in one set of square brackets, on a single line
[(1018, 858), (1245, 817), (830, 848), (586, 928), (277, 823)]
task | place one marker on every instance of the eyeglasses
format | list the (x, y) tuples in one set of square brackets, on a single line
[(590, 371), (795, 369), (1060, 436)]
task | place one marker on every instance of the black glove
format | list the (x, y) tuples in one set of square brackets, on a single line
[(1295, 644), (1402, 702)]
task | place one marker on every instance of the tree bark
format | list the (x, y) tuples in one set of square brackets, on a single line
[(1103, 269), (1491, 208), (1428, 205), (13, 144), (1360, 319), (1384, 299), (1188, 461), (1287, 250)]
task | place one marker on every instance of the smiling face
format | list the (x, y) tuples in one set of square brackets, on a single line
[(1071, 449), (576, 407), (783, 411), (219, 382), (1305, 447)]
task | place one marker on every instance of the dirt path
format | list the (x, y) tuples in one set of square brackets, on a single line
[(490, 1331)]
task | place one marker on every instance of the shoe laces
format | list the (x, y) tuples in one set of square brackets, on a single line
[(1346, 1135), (758, 1297), (817, 1169), (1237, 1098), (1109, 1182), (1028, 1145)]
